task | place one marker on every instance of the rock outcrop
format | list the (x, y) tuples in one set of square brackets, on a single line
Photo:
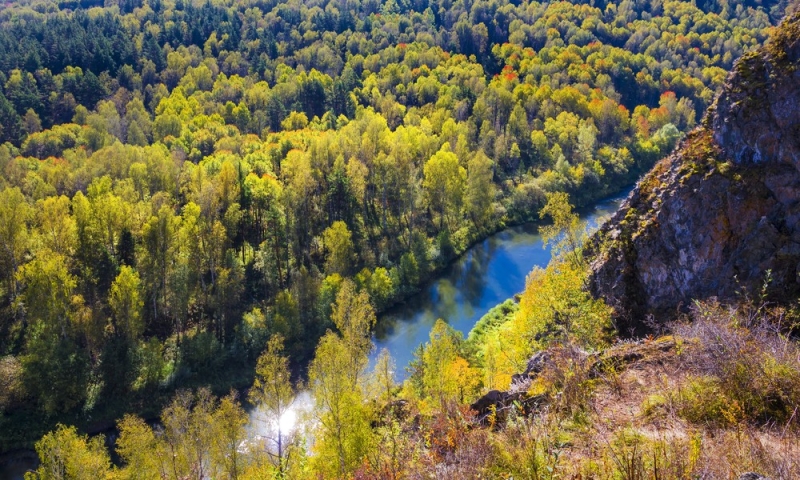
[(721, 213), (493, 407)]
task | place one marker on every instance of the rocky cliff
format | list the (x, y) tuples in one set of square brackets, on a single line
[(723, 210)]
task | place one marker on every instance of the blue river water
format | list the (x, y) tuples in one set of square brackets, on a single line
[(487, 274)]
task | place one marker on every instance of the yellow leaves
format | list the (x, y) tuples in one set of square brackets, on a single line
[(135, 441), (553, 307), (445, 375), (49, 289), (66, 454), (444, 183), (126, 302), (357, 174), (466, 378), (297, 172), (339, 245), (295, 121)]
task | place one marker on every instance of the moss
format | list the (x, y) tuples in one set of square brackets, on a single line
[(784, 39), (700, 155)]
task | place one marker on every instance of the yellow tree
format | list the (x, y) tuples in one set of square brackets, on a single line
[(14, 215), (565, 234), (444, 184), (272, 389), (144, 454), (339, 244), (446, 376), (555, 306), (344, 436), (66, 455), (126, 303), (56, 226), (228, 422), (354, 317)]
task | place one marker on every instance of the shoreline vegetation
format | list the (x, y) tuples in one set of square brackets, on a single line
[(490, 320), (183, 183)]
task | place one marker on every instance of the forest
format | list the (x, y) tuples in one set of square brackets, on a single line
[(197, 194)]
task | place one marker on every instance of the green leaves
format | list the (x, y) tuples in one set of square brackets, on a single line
[(444, 185)]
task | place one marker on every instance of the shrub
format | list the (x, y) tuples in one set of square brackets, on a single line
[(703, 400), (753, 363)]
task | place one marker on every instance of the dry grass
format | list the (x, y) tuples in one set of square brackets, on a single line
[(724, 402), (716, 399)]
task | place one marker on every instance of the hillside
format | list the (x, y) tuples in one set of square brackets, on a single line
[(182, 180), (147, 266)]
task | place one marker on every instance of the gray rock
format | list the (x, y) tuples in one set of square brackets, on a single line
[(752, 476), (721, 211)]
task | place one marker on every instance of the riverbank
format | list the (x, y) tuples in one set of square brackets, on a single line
[(486, 275), (23, 427)]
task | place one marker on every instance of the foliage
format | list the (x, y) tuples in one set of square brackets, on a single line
[(179, 182), (272, 390), (66, 454)]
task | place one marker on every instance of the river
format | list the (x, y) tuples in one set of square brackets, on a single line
[(487, 274)]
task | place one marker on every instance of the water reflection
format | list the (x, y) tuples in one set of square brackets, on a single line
[(263, 429), (489, 273)]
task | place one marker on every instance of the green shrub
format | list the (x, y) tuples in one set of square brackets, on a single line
[(704, 400)]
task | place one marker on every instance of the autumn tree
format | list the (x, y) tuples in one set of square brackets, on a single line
[(354, 317), (14, 215), (444, 185), (565, 234), (344, 434), (339, 244), (272, 390), (126, 303), (445, 375), (64, 454)]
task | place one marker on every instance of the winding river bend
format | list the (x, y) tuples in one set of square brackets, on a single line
[(487, 274)]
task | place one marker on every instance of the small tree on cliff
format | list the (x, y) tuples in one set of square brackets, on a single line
[(566, 234)]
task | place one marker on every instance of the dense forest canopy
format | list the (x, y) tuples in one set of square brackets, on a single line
[(182, 181)]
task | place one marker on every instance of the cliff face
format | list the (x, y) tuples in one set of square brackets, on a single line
[(724, 209)]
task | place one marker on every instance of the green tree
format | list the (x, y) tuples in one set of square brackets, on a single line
[(381, 288), (339, 244), (272, 390), (444, 185), (480, 190), (54, 370)]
